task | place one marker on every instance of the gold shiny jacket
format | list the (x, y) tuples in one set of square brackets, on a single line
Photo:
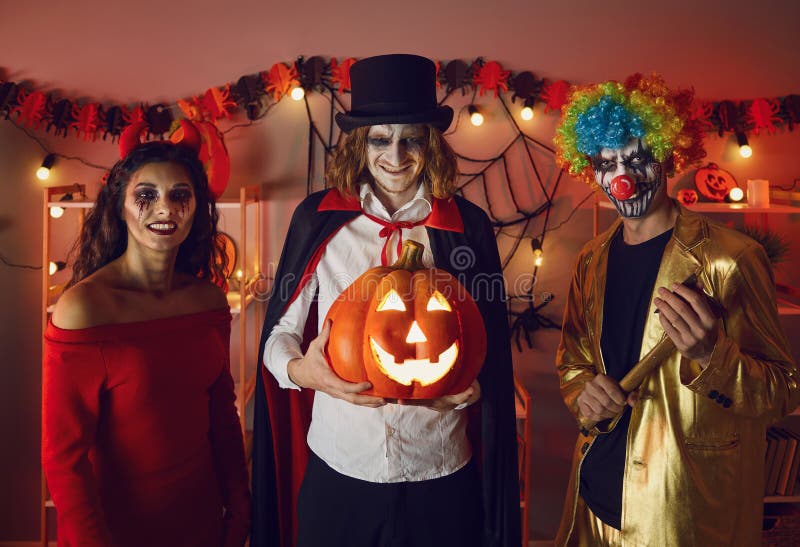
[(694, 473)]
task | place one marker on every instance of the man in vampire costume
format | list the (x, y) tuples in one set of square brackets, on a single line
[(672, 358), (377, 472)]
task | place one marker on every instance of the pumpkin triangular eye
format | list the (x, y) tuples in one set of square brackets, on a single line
[(391, 301), (437, 301)]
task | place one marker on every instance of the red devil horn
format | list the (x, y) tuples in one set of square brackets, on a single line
[(188, 136), (131, 138)]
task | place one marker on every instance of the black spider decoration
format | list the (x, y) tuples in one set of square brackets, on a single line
[(248, 92), (159, 120), (8, 97), (313, 72), (525, 86), (113, 122), (457, 75), (529, 321), (60, 117)]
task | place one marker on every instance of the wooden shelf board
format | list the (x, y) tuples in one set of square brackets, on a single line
[(74, 204), (782, 499), (785, 307), (725, 207)]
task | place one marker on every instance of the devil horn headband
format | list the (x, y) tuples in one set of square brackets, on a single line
[(186, 135)]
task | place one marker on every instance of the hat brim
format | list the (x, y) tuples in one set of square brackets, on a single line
[(439, 117)]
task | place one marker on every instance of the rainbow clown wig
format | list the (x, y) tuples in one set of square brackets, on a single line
[(609, 114)]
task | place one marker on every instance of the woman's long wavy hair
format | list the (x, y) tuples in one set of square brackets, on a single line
[(104, 236), (348, 166)]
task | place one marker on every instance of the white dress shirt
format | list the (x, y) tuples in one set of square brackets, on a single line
[(393, 443)]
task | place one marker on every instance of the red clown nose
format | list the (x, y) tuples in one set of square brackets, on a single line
[(623, 187)]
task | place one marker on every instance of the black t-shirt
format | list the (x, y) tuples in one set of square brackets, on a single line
[(630, 279)]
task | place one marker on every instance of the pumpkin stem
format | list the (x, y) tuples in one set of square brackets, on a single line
[(411, 256)]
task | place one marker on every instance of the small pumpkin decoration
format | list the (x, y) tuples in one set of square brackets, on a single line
[(687, 196), (413, 332), (713, 182)]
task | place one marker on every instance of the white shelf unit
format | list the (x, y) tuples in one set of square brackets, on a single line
[(249, 209), (248, 241)]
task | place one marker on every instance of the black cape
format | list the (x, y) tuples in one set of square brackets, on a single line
[(462, 242)]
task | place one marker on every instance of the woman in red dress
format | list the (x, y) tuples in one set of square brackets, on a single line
[(141, 443)]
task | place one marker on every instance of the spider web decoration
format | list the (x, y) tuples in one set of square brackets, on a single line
[(490, 181)]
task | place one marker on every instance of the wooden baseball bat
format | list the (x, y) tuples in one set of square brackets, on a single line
[(633, 379)]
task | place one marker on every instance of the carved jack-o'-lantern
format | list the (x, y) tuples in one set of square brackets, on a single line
[(687, 196), (713, 182), (414, 333)]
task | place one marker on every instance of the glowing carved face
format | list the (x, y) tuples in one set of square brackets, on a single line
[(412, 332), (413, 369), (634, 163)]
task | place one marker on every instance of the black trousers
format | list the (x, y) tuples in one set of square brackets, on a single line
[(334, 510)]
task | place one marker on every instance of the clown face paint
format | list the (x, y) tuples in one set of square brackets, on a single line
[(635, 161)]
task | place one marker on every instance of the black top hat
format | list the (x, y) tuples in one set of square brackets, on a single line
[(395, 88)]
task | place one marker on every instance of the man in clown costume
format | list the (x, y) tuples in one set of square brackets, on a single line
[(679, 459)]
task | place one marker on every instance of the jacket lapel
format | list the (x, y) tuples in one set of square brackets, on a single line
[(679, 262)]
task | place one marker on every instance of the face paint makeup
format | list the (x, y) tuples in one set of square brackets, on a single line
[(159, 206), (630, 176), (396, 155)]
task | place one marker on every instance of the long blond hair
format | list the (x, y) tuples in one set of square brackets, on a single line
[(348, 165)]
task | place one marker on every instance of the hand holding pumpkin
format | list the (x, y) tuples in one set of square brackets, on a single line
[(313, 372), (448, 402)]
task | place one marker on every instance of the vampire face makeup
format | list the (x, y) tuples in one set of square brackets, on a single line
[(630, 176), (396, 155)]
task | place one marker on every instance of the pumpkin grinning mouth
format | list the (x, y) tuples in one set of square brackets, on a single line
[(422, 371)]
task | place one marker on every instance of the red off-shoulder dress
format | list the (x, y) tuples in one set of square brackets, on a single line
[(141, 442)]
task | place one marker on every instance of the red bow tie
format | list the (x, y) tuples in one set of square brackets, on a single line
[(388, 229)]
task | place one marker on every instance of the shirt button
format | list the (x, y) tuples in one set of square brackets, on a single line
[(389, 431), (727, 403), (721, 398), (713, 394)]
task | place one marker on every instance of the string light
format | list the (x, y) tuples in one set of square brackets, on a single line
[(538, 254), (527, 111), (57, 266), (58, 212), (298, 93), (43, 173), (744, 147), (736, 194), (474, 116)]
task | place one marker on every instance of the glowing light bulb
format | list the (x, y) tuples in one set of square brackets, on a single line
[(538, 254), (298, 93), (239, 274), (526, 113), (56, 266), (736, 194), (744, 147), (475, 117), (43, 172), (56, 212)]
